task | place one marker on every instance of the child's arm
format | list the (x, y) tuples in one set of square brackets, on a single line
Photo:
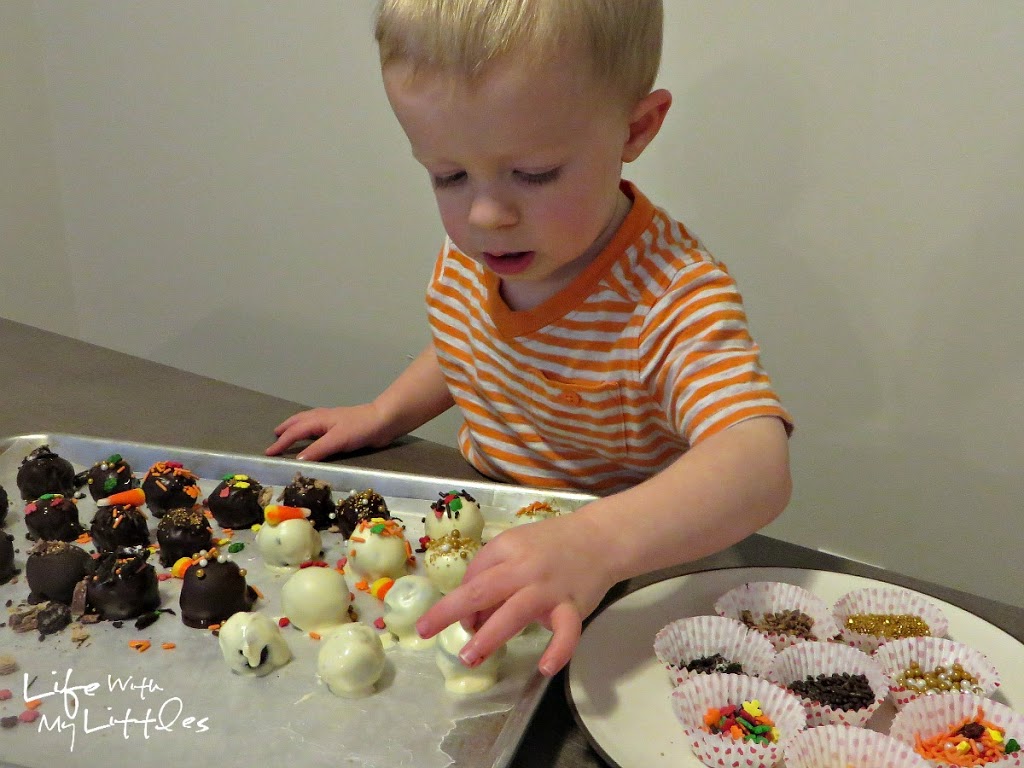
[(414, 398), (556, 571)]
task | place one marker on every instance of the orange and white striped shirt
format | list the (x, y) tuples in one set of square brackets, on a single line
[(612, 379)]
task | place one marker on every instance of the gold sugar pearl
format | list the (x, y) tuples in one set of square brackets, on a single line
[(942, 679), (890, 625)]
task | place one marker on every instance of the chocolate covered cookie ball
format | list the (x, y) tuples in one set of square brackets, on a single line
[(53, 516), (119, 526), (168, 485), (43, 471), (214, 589), (238, 501), (360, 506), (314, 495), (124, 585), (109, 476), (7, 569), (53, 568), (183, 532)]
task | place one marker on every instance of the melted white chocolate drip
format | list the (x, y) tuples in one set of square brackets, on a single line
[(458, 678)]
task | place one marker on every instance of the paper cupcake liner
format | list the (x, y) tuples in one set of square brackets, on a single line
[(810, 658), (839, 746), (886, 600), (929, 715), (895, 656), (761, 597), (692, 699), (692, 638)]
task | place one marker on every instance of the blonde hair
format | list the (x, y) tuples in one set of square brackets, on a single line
[(619, 40)]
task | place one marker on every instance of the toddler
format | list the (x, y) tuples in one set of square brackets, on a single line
[(588, 339)]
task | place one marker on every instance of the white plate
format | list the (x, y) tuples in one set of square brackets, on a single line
[(620, 692)]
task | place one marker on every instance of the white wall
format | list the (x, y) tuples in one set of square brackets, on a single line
[(35, 284), (228, 193)]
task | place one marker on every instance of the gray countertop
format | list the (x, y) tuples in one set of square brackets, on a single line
[(51, 383)]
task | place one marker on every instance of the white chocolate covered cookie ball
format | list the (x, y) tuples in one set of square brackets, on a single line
[(454, 510), (316, 599), (351, 660), (447, 558), (251, 644), (458, 678), (288, 544), (408, 599), (377, 548)]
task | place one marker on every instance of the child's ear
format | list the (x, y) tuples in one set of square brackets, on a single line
[(645, 121)]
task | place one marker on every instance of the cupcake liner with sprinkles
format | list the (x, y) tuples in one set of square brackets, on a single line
[(784, 613), (853, 684), (869, 617), (929, 654), (697, 641), (703, 696), (839, 746), (961, 729)]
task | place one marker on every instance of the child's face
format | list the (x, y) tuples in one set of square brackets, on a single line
[(525, 166)]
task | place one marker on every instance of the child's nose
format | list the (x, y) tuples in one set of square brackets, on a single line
[(490, 212)]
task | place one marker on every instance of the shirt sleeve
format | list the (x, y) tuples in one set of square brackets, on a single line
[(697, 356)]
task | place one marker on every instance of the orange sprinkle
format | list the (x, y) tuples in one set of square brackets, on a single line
[(213, 627), (537, 506), (139, 645), (168, 646), (380, 527), (33, 704), (259, 594), (362, 586), (84, 538), (275, 514), (315, 635), (360, 539)]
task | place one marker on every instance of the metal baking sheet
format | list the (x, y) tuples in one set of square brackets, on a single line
[(102, 702)]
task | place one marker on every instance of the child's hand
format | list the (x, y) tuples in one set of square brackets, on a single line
[(337, 430), (552, 571)]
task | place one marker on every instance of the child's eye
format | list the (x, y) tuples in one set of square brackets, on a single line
[(545, 177), (450, 180)]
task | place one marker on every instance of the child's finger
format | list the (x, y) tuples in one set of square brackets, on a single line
[(287, 438), (318, 449), (506, 621), (475, 595), (278, 446), (566, 626), (284, 425)]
